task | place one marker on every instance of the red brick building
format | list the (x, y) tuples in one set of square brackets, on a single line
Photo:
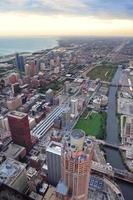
[(20, 130)]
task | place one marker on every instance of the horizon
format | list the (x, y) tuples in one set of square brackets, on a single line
[(58, 37), (66, 18)]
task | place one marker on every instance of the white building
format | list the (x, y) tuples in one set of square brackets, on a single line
[(27, 70), (74, 108), (4, 124), (53, 153)]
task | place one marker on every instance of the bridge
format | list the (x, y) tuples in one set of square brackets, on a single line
[(110, 145), (115, 85), (111, 172), (102, 169), (113, 146), (123, 175)]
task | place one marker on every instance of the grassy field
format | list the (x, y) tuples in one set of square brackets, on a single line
[(93, 124), (105, 72)]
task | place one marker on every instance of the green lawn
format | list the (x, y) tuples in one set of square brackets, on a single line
[(105, 72), (94, 125)]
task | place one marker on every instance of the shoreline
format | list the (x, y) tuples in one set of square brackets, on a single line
[(48, 43)]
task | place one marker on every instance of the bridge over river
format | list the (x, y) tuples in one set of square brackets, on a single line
[(113, 146), (111, 172)]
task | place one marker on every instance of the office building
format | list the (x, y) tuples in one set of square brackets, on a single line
[(53, 153), (13, 78), (20, 130), (76, 157), (52, 63), (49, 96), (65, 117), (19, 63), (58, 123), (14, 102), (16, 88), (15, 152), (4, 124), (56, 70), (13, 174), (9, 193), (56, 135), (66, 87), (27, 70), (74, 108)]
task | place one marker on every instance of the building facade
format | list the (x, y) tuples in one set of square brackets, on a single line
[(76, 160), (20, 130), (74, 108), (53, 153), (19, 62)]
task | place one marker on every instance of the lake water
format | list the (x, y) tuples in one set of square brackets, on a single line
[(26, 44)]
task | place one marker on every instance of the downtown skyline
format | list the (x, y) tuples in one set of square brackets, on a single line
[(60, 18)]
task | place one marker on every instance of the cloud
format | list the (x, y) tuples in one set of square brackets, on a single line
[(35, 25), (113, 8), (98, 8), (46, 6)]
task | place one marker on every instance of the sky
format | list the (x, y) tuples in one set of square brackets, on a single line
[(66, 17)]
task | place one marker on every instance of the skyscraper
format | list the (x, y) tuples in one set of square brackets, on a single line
[(53, 153), (20, 130), (19, 63), (76, 160), (49, 96), (74, 107)]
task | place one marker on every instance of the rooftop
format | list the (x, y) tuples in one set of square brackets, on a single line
[(9, 193), (50, 194), (96, 183), (54, 147), (9, 170), (14, 151), (77, 133), (17, 114)]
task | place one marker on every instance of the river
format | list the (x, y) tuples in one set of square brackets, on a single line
[(113, 156)]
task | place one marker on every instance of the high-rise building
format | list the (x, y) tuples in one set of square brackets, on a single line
[(4, 124), (65, 117), (27, 70), (74, 107), (66, 87), (16, 88), (19, 62), (76, 157), (20, 130), (49, 96), (13, 78), (14, 102), (53, 153)]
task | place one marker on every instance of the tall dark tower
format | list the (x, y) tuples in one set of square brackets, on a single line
[(19, 63)]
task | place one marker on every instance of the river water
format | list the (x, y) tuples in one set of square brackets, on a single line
[(113, 156)]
